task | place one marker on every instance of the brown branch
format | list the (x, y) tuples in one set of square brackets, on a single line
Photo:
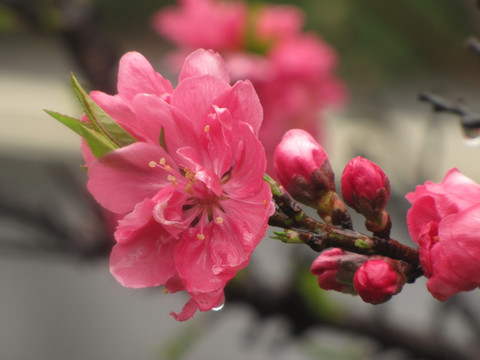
[(320, 236)]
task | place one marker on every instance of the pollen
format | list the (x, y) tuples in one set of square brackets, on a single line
[(200, 237), (152, 164), (189, 175), (219, 220), (207, 128), (189, 188), (172, 179)]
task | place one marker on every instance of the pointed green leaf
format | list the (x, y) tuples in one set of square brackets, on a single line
[(103, 123), (72, 123), (98, 143)]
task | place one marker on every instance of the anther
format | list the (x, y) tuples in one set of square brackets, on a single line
[(172, 179), (189, 188), (219, 220), (200, 237), (152, 164)]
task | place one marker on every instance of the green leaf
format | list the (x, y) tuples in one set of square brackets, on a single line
[(102, 122), (98, 143), (72, 123)]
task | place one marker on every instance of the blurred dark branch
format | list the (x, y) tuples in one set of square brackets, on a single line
[(292, 306), (469, 120), (473, 44)]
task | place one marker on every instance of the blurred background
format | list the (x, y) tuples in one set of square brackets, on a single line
[(57, 298)]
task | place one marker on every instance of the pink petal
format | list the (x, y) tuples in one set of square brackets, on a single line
[(422, 211), (169, 211), (249, 217), (194, 263), (194, 96), (145, 256), (243, 103), (249, 165), (154, 114), (136, 75), (227, 246), (122, 178), (204, 62), (203, 174), (209, 300), (459, 238), (187, 312), (129, 226)]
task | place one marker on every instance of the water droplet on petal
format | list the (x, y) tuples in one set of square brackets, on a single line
[(218, 308)]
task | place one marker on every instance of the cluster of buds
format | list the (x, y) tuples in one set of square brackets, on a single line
[(304, 170), (375, 279)]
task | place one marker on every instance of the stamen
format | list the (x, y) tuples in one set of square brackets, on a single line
[(165, 291), (219, 220), (200, 237), (207, 128), (163, 161), (265, 203), (189, 188), (152, 164), (172, 179)]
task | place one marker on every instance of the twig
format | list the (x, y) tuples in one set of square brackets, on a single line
[(469, 119)]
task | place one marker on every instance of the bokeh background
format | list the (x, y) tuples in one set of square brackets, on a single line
[(57, 298)]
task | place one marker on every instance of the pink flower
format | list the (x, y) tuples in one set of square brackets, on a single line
[(203, 23), (195, 206), (365, 187), (444, 222), (377, 280), (335, 269), (292, 71), (276, 22), (300, 162)]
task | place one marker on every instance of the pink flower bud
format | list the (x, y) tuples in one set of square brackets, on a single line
[(303, 167), (335, 269), (365, 187), (444, 222), (377, 280)]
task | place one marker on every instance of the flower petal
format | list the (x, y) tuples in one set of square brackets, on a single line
[(194, 97), (194, 263), (204, 62), (154, 114), (243, 103), (249, 165), (144, 256), (136, 75), (122, 178)]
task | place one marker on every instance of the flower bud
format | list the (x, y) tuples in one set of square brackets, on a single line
[(377, 280), (303, 167), (365, 187), (335, 269)]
